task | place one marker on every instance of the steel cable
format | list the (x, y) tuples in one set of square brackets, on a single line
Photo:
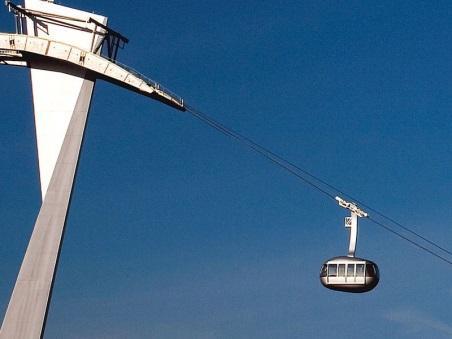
[(316, 183)]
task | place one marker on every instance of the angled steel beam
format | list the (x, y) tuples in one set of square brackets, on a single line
[(29, 303), (27, 47)]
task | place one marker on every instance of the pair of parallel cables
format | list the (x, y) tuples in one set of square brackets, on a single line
[(325, 188)]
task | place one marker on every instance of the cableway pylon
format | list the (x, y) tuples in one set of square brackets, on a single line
[(62, 47)]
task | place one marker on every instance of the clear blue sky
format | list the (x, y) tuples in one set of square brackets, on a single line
[(176, 231)]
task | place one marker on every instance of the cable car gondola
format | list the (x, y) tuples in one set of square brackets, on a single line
[(349, 273)]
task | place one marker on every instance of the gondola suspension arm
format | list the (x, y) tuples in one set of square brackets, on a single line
[(352, 223)]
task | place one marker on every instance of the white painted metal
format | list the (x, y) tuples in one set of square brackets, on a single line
[(46, 27), (61, 48), (61, 97), (352, 207), (28, 306), (54, 91), (352, 223), (12, 58), (346, 278), (102, 67), (54, 102)]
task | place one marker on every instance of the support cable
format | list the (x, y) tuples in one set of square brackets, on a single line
[(317, 183), (257, 148), (412, 242), (398, 224), (278, 160)]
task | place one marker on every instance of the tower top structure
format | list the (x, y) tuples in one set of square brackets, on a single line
[(62, 47)]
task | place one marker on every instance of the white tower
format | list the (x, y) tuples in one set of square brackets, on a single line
[(62, 47)]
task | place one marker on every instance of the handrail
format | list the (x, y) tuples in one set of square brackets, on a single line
[(149, 81)]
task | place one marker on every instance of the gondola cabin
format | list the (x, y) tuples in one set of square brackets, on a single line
[(349, 274)]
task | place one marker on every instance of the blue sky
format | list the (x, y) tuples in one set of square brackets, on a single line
[(176, 231)]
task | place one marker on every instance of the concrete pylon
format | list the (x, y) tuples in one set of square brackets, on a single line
[(61, 98)]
